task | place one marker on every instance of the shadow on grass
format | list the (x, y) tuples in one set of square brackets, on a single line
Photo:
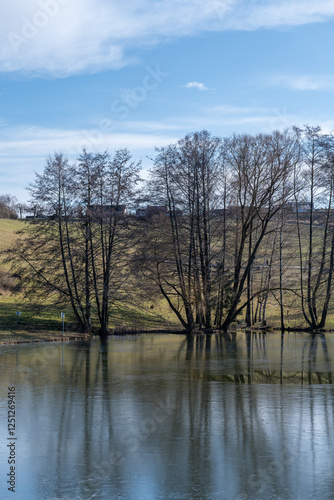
[(138, 319), (33, 319), (44, 320)]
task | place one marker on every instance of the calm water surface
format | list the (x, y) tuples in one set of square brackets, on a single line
[(233, 417)]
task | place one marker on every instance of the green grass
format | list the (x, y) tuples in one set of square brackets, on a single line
[(35, 321), (8, 228), (43, 320), (143, 318)]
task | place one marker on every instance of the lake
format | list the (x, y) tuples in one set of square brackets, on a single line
[(241, 416)]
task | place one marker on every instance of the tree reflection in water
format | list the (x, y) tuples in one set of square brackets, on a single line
[(255, 366), (232, 416)]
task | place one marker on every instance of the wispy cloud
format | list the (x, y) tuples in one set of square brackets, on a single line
[(23, 150), (39, 141), (255, 14), (301, 82), (34, 141), (196, 85), (65, 37)]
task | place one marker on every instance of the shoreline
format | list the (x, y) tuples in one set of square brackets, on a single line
[(11, 340), (85, 337)]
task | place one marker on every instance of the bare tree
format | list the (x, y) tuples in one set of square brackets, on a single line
[(186, 179), (8, 207), (220, 195), (72, 248), (260, 167), (105, 184), (314, 224), (48, 257)]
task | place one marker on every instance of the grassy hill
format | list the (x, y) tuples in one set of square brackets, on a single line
[(42, 320), (8, 228)]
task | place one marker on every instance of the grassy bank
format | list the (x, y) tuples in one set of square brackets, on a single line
[(8, 229), (43, 320)]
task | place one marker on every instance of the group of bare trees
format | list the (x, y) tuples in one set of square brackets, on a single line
[(249, 221), (76, 249), (223, 197), (316, 244)]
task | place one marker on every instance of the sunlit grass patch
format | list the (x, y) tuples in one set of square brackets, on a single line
[(8, 230)]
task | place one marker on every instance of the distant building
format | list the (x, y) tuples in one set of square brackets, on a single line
[(157, 210), (301, 207), (178, 212), (218, 212), (141, 212), (152, 210), (107, 210)]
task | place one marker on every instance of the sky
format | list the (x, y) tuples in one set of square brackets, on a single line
[(140, 74)]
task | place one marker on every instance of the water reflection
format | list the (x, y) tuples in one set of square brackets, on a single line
[(232, 417), (245, 359)]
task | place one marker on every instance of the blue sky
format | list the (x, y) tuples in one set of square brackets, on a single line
[(138, 74)]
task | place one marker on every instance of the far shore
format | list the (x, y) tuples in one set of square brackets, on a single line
[(22, 337)]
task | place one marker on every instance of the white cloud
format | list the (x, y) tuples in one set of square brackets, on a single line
[(38, 141), (301, 82), (196, 85), (255, 14), (23, 150), (65, 37), (28, 143)]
